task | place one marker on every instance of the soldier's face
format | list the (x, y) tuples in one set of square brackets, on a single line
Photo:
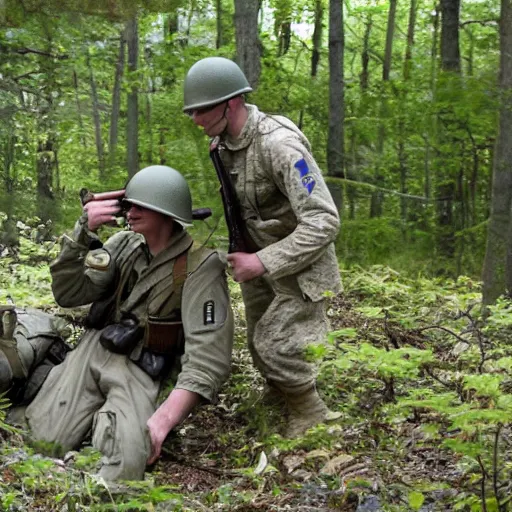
[(142, 220), (211, 119)]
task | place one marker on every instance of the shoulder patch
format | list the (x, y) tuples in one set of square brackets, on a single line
[(209, 312), (98, 259), (308, 182)]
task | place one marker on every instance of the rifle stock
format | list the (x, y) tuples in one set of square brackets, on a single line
[(239, 238)]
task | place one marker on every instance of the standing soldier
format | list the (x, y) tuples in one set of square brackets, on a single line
[(290, 216)]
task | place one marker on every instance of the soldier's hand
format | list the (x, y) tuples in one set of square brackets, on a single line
[(245, 266), (157, 434), (101, 212)]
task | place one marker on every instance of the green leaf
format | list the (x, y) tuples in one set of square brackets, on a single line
[(416, 500)]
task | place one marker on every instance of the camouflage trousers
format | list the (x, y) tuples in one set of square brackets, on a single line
[(96, 390), (280, 324)]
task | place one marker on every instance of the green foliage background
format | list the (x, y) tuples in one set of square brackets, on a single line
[(42, 49)]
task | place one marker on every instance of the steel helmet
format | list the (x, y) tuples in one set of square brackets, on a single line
[(162, 189), (211, 81)]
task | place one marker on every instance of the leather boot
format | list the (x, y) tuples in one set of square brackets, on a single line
[(306, 410)]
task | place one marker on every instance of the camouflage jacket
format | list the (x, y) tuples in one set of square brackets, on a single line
[(285, 202)]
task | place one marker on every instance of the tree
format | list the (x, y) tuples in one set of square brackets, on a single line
[(451, 68), (248, 45), (335, 144), (96, 117), (377, 196), (450, 49), (132, 129), (116, 99), (497, 270), (317, 36)]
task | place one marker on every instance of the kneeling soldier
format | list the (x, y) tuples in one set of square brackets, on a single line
[(158, 302)]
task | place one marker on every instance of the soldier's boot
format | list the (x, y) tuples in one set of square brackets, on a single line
[(306, 410), (272, 396)]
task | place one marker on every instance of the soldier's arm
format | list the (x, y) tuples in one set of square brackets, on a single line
[(208, 328), (84, 270), (299, 178)]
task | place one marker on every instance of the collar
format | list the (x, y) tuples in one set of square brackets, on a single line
[(248, 131), (179, 243)]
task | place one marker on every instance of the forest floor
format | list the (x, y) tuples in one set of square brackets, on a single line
[(399, 444)]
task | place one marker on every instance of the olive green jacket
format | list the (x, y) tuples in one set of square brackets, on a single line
[(81, 276)]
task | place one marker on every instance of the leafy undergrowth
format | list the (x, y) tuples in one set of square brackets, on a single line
[(423, 382)]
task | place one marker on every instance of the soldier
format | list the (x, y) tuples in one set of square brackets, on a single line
[(292, 219), (157, 302)]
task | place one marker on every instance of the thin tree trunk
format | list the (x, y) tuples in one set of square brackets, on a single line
[(116, 100), (132, 131), (317, 37), (45, 157), (219, 41), (388, 53), (433, 87), (402, 130), (79, 110), (148, 111), (96, 118), (285, 37), (376, 205), (496, 271), (410, 39), (335, 141), (365, 55)]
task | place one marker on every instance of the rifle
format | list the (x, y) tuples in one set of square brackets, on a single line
[(87, 196), (239, 238)]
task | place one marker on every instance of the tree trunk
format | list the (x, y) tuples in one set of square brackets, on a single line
[(390, 32), (335, 141), (402, 127), (317, 37), (116, 99), (376, 204), (285, 37), (496, 271), (132, 130), (148, 111), (79, 110), (45, 157), (450, 50), (447, 192), (248, 45), (220, 39), (96, 118), (410, 39), (365, 55)]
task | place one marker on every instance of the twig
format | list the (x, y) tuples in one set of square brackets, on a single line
[(215, 471), (482, 483), (440, 327), (495, 466)]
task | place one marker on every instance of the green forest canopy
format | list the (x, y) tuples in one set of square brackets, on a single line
[(418, 142)]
